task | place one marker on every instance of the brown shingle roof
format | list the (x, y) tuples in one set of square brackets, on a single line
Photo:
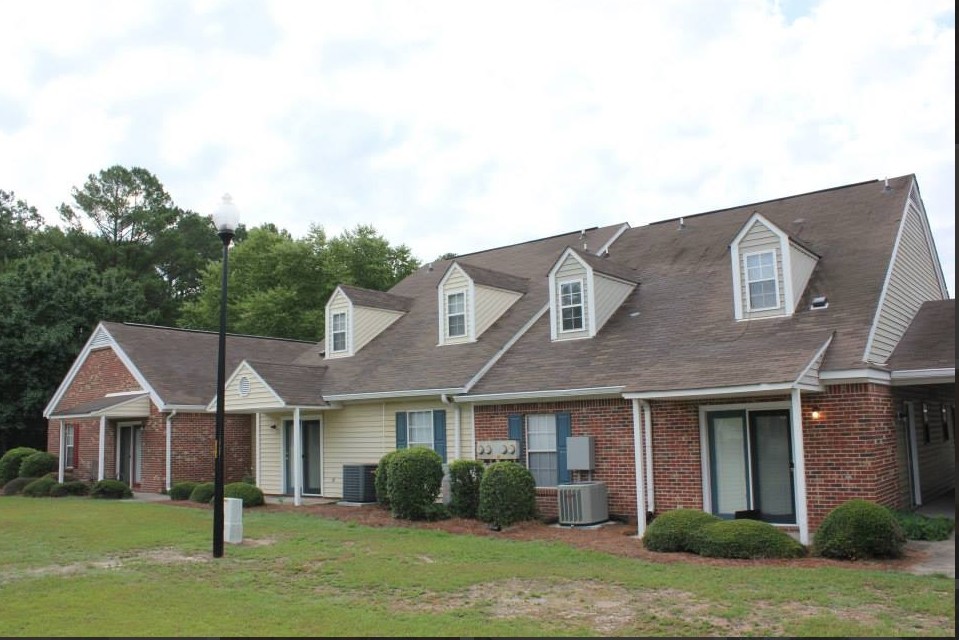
[(930, 340), (87, 408), (297, 385), (180, 364), (491, 278), (608, 267), (375, 299), (677, 331)]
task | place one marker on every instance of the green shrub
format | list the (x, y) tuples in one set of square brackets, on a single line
[(381, 480), (859, 529), (182, 490), (676, 530), (70, 488), (111, 490), (745, 539), (203, 492), (10, 463), (507, 494), (38, 464), (414, 479), (249, 494), (39, 488), (916, 526), (16, 486), (465, 478)]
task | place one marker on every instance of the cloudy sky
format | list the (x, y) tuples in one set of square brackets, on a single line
[(459, 126)]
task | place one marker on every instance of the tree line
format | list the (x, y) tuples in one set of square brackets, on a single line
[(124, 252)]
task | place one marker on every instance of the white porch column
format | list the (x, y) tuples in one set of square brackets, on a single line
[(63, 451), (799, 470), (102, 447), (640, 489), (648, 443), (297, 458)]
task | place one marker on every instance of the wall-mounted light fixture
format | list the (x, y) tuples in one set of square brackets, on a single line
[(273, 426), (816, 414)]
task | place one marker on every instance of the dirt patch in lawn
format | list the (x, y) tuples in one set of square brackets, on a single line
[(157, 556)]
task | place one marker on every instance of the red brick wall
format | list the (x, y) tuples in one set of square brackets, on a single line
[(610, 422), (101, 373)]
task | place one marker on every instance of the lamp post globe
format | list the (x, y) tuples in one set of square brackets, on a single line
[(226, 218)]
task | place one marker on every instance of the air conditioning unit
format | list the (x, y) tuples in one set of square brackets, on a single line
[(359, 483), (583, 503)]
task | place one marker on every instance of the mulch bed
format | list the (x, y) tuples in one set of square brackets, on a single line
[(615, 538)]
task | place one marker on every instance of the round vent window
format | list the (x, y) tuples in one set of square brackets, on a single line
[(244, 386)]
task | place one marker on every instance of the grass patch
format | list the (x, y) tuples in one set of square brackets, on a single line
[(92, 567)]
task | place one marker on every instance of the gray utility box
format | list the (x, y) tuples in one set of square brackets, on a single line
[(580, 454)]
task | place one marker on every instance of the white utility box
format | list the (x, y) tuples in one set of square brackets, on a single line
[(232, 520)]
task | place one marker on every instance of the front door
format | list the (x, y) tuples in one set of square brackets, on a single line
[(311, 452), (751, 465), (129, 453)]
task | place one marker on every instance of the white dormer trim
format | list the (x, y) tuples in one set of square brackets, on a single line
[(350, 311), (783, 274), (442, 294)]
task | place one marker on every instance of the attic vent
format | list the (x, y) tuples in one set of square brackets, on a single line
[(819, 302), (244, 386)]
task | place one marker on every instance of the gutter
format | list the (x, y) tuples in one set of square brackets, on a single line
[(386, 395), (536, 395)]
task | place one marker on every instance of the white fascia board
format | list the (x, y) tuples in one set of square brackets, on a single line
[(923, 376), (185, 408), (707, 392), (386, 395), (540, 395), (850, 376), (84, 353), (927, 228)]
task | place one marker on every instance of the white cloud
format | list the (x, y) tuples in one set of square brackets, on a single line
[(457, 126)]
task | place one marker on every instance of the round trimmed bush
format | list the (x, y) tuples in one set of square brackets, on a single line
[(111, 490), (39, 488), (676, 530), (507, 494), (465, 478), (38, 464), (71, 488), (859, 529), (203, 492), (10, 463), (248, 493), (381, 479), (182, 490), (745, 539), (16, 486), (414, 479)]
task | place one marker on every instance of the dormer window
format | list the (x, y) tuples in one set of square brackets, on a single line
[(571, 305), (456, 315), (338, 329), (762, 281)]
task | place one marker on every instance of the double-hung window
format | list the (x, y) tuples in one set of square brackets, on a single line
[(571, 305), (456, 315), (541, 452), (420, 429), (761, 281), (69, 445), (338, 331)]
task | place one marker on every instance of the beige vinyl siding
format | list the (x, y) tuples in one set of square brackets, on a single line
[(913, 280), (802, 264), (369, 323), (610, 294), (271, 454), (490, 305), (456, 282), (339, 303), (466, 433), (811, 376), (260, 396), (139, 408), (571, 269), (758, 239)]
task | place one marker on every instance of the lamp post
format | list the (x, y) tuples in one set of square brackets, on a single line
[(225, 219)]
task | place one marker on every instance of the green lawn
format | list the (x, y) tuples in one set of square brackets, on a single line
[(75, 566)]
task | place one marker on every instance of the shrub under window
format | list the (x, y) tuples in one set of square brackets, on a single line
[(507, 494), (414, 480)]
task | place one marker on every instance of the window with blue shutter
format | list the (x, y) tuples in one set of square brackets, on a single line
[(422, 429), (564, 429), (515, 432)]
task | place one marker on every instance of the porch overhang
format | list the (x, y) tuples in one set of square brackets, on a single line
[(762, 389), (923, 376), (113, 406)]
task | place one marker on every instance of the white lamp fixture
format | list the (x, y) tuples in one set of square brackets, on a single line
[(226, 217)]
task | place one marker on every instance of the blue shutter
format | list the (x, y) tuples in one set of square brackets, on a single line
[(564, 429), (439, 433), (400, 429), (516, 433)]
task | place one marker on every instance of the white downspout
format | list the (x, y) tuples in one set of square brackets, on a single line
[(640, 491), (297, 459), (456, 427), (169, 450), (101, 453), (62, 464), (648, 436), (799, 471)]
